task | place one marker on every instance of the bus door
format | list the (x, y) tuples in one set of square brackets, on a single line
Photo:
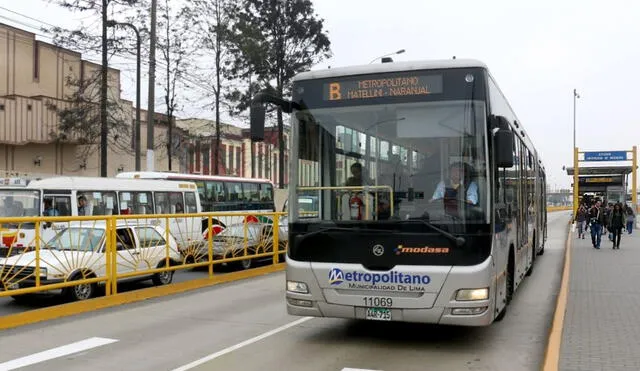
[(55, 203)]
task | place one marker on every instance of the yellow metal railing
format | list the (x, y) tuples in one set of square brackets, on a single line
[(358, 189), (86, 260), (72, 260)]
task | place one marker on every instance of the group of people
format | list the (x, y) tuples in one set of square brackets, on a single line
[(612, 218)]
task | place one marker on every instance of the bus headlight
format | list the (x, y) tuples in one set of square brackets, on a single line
[(298, 287), (43, 272), (473, 294)]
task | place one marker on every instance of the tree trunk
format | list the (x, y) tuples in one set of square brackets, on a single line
[(281, 148), (104, 129)]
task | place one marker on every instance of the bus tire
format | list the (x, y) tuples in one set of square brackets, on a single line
[(533, 256), (501, 315), (541, 250), (510, 275)]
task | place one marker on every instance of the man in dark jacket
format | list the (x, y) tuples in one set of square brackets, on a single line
[(596, 219)]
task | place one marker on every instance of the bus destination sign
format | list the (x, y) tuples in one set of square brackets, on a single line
[(370, 88)]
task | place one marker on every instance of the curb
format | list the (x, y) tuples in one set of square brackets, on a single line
[(552, 351)]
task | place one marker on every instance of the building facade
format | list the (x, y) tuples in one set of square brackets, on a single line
[(45, 88), (235, 157)]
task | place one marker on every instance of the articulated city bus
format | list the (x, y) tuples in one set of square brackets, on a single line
[(102, 196), (430, 193)]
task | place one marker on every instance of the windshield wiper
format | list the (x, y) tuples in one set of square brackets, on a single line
[(331, 229), (460, 241)]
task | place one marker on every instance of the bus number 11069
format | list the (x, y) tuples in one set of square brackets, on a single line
[(377, 302)]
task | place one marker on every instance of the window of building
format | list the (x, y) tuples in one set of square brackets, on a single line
[(36, 60)]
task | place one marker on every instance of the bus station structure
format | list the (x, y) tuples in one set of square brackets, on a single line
[(610, 181)]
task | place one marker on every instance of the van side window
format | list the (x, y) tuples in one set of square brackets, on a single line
[(138, 203), (61, 204), (100, 203), (190, 202)]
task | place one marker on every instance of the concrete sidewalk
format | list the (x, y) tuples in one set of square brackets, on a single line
[(602, 322)]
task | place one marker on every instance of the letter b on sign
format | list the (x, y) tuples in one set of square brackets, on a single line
[(334, 91)]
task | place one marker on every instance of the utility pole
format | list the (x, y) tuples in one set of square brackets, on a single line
[(104, 130), (152, 85), (112, 23)]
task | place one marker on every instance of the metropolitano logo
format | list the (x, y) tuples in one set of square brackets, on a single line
[(336, 276)]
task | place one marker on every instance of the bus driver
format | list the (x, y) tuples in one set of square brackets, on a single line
[(458, 171)]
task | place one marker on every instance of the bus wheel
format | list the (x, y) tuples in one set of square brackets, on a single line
[(502, 314), (541, 250), (510, 276), (533, 257)]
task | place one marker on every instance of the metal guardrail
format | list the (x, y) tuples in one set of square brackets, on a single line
[(87, 252), (93, 251), (558, 208)]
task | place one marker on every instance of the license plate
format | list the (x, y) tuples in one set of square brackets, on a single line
[(378, 314)]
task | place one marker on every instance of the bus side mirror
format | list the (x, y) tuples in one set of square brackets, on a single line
[(257, 122), (504, 143)]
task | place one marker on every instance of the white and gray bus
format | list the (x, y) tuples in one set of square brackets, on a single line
[(430, 193)]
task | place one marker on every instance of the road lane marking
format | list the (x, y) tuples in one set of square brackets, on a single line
[(230, 349), (53, 353), (357, 369)]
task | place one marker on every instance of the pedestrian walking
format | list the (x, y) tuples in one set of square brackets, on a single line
[(596, 219), (581, 219), (616, 223), (631, 218)]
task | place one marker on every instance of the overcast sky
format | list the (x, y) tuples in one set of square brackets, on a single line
[(538, 52)]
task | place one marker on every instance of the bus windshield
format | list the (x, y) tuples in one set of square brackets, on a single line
[(381, 162)]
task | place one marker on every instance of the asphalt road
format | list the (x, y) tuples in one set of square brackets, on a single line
[(244, 326), (10, 306)]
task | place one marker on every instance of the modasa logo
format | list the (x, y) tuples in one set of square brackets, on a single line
[(337, 276), (420, 250)]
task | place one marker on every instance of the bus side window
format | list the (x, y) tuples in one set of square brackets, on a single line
[(190, 202), (251, 192), (220, 193), (266, 193), (235, 191)]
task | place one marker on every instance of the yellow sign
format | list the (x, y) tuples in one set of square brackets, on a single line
[(598, 180)]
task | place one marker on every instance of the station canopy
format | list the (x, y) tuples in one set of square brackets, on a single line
[(601, 170)]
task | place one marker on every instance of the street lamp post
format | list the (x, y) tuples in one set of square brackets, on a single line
[(112, 23), (386, 55), (575, 157), (575, 96)]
